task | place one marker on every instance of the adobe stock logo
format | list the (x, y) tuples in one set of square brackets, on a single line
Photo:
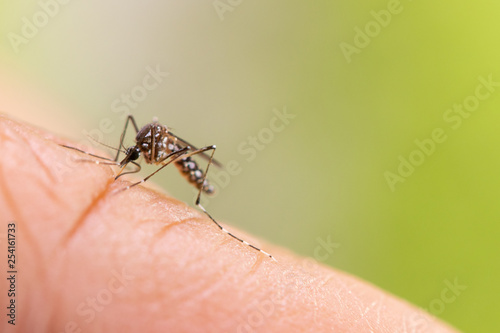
[(250, 148), (153, 78), (30, 27), (363, 37), (122, 105), (448, 295), (223, 6), (454, 117), (94, 304)]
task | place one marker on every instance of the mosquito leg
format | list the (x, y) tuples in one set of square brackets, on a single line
[(122, 136), (184, 153), (129, 172), (230, 234), (175, 155), (210, 216), (111, 162)]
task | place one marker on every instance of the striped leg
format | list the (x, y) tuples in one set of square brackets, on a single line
[(184, 153), (210, 216), (110, 161), (122, 136)]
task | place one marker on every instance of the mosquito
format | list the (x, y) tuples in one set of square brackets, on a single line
[(159, 146)]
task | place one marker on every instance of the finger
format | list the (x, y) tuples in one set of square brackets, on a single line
[(91, 260)]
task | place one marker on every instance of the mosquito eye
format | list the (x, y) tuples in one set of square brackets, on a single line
[(134, 155)]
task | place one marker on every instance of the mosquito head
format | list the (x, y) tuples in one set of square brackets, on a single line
[(132, 153)]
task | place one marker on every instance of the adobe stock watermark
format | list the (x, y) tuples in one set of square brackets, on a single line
[(224, 6), (127, 102), (30, 27), (453, 117), (94, 304), (372, 29), (448, 295), (249, 149), (264, 309), (123, 106)]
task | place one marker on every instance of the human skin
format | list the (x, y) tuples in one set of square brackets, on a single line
[(93, 260)]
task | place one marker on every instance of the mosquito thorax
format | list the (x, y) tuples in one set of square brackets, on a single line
[(161, 139), (146, 130)]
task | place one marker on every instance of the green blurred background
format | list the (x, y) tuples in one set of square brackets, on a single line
[(231, 63)]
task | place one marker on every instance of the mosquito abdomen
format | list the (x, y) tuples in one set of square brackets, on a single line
[(190, 169)]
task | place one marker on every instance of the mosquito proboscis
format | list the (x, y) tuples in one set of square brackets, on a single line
[(159, 146)]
